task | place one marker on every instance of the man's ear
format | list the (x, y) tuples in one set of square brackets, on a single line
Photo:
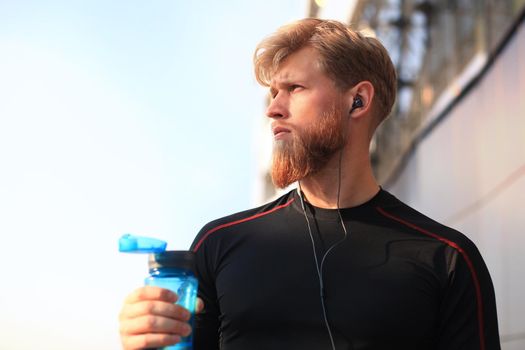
[(360, 99)]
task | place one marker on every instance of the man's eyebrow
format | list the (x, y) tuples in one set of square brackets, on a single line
[(284, 81)]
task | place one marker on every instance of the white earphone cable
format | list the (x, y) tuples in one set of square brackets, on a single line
[(320, 267)]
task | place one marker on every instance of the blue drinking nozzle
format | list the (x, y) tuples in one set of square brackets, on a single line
[(137, 244)]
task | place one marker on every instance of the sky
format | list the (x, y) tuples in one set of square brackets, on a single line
[(117, 117)]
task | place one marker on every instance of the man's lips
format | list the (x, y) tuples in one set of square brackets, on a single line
[(280, 131)]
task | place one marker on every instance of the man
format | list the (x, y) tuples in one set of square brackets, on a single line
[(338, 263)]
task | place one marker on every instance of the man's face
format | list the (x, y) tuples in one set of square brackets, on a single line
[(308, 118)]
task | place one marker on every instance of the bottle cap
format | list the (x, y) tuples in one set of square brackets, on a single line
[(137, 244), (182, 259)]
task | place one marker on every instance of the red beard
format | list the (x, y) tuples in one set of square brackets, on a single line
[(307, 152)]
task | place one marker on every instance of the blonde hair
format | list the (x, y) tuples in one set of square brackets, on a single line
[(346, 56)]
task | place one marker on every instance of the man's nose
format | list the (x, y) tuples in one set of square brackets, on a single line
[(277, 108)]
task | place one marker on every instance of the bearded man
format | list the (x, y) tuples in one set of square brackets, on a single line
[(338, 263)]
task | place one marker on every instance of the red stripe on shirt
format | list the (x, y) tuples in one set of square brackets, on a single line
[(228, 224), (467, 259)]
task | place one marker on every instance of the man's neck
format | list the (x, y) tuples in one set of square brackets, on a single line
[(357, 183)]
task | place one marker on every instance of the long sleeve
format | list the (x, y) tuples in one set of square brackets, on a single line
[(206, 326), (468, 319)]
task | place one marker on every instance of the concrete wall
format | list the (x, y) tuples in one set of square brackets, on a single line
[(469, 173)]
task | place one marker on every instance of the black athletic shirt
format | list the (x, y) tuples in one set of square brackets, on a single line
[(399, 281)]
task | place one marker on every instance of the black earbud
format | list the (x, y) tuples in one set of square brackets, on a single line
[(358, 103)]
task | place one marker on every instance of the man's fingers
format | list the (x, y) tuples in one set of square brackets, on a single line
[(151, 293), (154, 324), (199, 306), (150, 319), (144, 341), (158, 308)]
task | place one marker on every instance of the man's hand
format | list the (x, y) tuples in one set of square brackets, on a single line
[(150, 319)]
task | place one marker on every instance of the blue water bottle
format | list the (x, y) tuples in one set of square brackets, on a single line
[(173, 270)]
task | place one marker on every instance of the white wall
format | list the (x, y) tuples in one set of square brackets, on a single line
[(469, 173)]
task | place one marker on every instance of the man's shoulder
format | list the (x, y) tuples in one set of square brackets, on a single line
[(242, 217), (407, 218)]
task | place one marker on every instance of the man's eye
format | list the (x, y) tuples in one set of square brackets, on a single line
[(294, 87)]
